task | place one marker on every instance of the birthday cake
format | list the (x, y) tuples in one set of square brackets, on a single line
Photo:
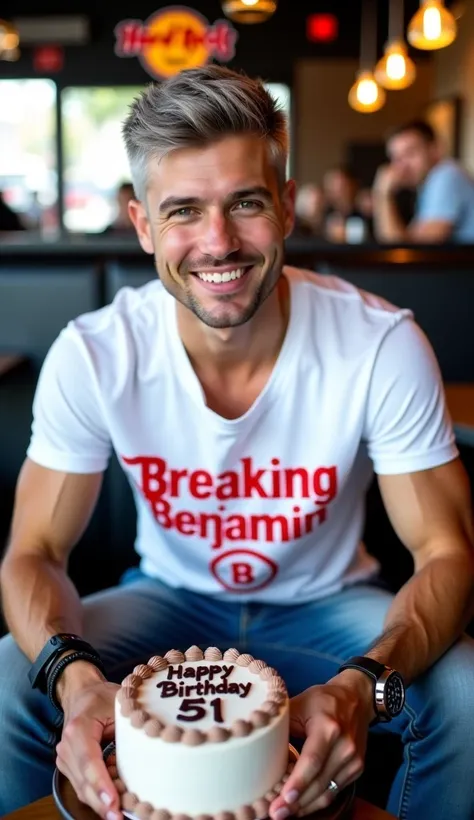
[(201, 734)]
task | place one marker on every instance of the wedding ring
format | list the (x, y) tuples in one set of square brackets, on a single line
[(333, 787)]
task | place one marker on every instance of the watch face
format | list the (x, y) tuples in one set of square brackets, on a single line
[(394, 694)]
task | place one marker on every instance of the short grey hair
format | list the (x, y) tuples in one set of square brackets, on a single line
[(197, 107)]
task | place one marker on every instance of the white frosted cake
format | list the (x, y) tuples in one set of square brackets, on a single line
[(201, 734)]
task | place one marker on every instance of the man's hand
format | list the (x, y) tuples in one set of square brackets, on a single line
[(89, 721), (335, 719), (387, 180)]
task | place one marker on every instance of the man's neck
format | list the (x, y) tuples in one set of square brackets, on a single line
[(245, 348)]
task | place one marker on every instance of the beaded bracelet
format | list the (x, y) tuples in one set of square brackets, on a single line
[(56, 671)]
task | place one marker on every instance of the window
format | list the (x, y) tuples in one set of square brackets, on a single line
[(95, 161), (28, 167)]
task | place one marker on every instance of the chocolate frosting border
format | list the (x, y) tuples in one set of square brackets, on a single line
[(127, 697)]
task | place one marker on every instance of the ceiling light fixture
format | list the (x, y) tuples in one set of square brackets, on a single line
[(249, 11), (366, 95), (432, 27), (9, 41), (395, 70)]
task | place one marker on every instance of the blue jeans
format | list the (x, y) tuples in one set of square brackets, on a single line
[(306, 643)]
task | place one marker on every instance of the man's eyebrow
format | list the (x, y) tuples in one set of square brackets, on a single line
[(259, 190)]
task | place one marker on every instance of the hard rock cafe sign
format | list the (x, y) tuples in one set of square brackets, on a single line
[(173, 39)]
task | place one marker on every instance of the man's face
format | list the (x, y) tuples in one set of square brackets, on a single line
[(216, 222), (412, 156), (339, 188)]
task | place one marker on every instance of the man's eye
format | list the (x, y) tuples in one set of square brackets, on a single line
[(248, 205), (182, 212)]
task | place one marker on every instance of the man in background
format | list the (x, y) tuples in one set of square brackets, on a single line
[(344, 222), (444, 210), (122, 223), (310, 207)]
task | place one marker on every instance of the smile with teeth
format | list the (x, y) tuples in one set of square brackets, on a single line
[(227, 276)]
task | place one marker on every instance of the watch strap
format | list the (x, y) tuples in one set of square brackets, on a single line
[(368, 665), (56, 645)]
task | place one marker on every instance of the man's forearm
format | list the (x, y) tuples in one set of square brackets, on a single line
[(389, 227), (39, 600), (427, 615)]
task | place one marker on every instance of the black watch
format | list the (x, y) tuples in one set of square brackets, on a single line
[(389, 688), (52, 649)]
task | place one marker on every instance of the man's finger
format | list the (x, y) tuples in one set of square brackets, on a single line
[(342, 755), (344, 778), (102, 808), (323, 733), (82, 755)]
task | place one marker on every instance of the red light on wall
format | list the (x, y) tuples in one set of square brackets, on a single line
[(322, 28), (48, 59)]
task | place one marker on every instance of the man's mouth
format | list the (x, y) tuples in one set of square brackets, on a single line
[(218, 277)]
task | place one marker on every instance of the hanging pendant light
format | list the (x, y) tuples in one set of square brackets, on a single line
[(366, 95), (249, 11), (432, 27), (9, 40), (395, 70)]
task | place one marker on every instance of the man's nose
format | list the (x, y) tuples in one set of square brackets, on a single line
[(219, 237)]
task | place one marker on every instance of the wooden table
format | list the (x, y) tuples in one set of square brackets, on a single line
[(45, 809), (460, 400)]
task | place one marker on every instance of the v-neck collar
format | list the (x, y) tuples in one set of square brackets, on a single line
[(192, 385)]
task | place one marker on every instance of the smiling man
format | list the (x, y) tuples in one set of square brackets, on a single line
[(249, 404)]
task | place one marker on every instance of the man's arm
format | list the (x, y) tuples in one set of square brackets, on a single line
[(389, 227), (431, 513), (435, 218), (52, 510)]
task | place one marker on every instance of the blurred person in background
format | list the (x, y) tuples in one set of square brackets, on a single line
[(444, 209), (9, 220), (344, 220), (122, 223), (309, 210)]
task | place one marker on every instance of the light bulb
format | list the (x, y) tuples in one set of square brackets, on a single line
[(249, 11), (432, 24), (9, 40), (365, 95), (432, 27), (395, 70)]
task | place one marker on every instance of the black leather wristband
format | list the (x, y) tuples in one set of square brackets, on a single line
[(56, 646), (58, 668)]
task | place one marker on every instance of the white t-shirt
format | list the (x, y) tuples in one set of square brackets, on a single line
[(268, 506)]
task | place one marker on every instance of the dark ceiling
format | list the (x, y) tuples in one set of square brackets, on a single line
[(269, 50), (291, 14)]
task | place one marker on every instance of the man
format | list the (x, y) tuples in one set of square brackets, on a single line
[(122, 223), (309, 210), (445, 205), (246, 402), (344, 220)]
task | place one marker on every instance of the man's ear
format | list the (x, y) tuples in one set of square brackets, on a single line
[(288, 202), (138, 215)]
